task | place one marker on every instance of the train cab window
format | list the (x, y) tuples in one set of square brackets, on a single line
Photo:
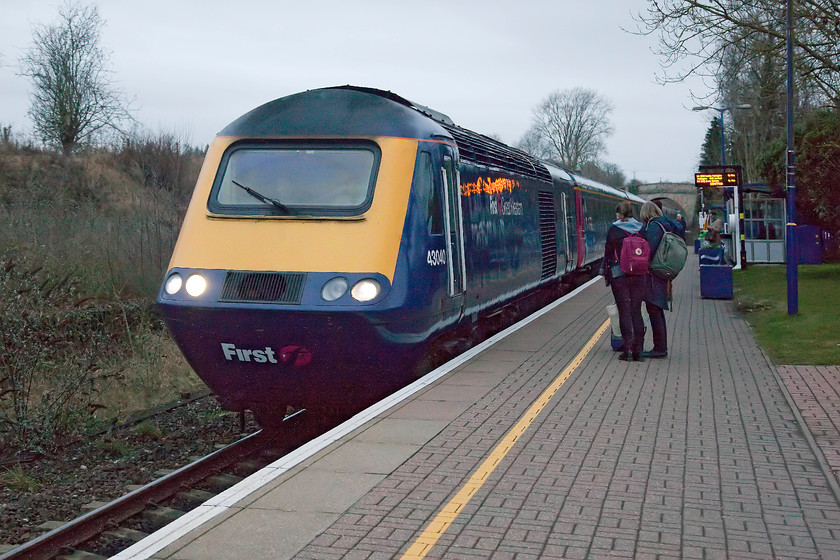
[(429, 194), (312, 179)]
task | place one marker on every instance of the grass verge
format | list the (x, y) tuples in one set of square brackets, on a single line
[(812, 337)]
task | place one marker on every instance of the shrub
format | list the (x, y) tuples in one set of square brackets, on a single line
[(162, 162), (114, 447), (54, 346), (149, 430), (817, 151), (18, 479)]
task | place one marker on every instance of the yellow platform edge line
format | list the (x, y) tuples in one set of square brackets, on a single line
[(447, 515)]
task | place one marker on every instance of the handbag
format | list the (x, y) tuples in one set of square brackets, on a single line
[(616, 342), (615, 269)]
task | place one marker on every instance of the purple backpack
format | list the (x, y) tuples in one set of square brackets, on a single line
[(634, 259)]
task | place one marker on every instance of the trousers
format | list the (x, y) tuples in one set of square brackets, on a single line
[(629, 292), (657, 327)]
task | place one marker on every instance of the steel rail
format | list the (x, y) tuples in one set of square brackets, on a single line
[(69, 535)]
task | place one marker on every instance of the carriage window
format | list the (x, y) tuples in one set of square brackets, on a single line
[(315, 179)]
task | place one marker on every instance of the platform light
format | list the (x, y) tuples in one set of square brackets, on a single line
[(721, 110), (365, 290), (173, 284), (335, 288), (196, 284)]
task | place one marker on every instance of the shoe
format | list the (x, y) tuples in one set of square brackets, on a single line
[(625, 357), (654, 354), (638, 358)]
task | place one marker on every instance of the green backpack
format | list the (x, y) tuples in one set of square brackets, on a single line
[(669, 258)]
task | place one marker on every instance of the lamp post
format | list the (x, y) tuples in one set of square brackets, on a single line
[(721, 110), (791, 246)]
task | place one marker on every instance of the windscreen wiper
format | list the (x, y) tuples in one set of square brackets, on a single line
[(261, 197)]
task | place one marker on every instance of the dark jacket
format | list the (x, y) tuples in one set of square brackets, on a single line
[(657, 292), (615, 236)]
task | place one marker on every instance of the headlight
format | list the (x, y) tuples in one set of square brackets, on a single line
[(173, 284), (365, 290), (334, 289), (196, 284)]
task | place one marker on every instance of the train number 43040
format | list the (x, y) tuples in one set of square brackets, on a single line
[(436, 257)]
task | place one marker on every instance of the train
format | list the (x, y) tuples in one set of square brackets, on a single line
[(342, 241)]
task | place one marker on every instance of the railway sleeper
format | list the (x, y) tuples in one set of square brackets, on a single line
[(268, 455), (79, 555), (193, 498), (221, 482), (161, 516), (90, 506), (48, 526), (126, 534), (249, 467)]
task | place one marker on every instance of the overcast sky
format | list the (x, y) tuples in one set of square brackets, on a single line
[(194, 66)]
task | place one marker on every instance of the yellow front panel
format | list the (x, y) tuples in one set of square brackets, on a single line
[(370, 244)]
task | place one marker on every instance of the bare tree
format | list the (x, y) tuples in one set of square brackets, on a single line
[(74, 98), (605, 172), (701, 33), (751, 82), (570, 127), (533, 143), (757, 82)]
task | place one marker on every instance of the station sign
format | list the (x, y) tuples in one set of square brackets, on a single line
[(716, 179)]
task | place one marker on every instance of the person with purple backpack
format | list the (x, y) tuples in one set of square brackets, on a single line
[(629, 287)]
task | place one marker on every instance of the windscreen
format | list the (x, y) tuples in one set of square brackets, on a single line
[(296, 179)]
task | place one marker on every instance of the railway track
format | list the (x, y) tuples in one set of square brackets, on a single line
[(116, 525)]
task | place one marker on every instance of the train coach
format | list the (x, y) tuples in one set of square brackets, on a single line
[(340, 240)]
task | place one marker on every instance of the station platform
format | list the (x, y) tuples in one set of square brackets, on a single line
[(542, 444)]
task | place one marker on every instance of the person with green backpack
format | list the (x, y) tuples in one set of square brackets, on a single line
[(658, 294)]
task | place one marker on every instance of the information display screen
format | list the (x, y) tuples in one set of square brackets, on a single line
[(706, 179)]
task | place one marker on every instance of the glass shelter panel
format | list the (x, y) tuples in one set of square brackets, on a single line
[(764, 225)]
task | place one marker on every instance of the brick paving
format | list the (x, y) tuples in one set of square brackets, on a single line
[(695, 456), (815, 391)]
